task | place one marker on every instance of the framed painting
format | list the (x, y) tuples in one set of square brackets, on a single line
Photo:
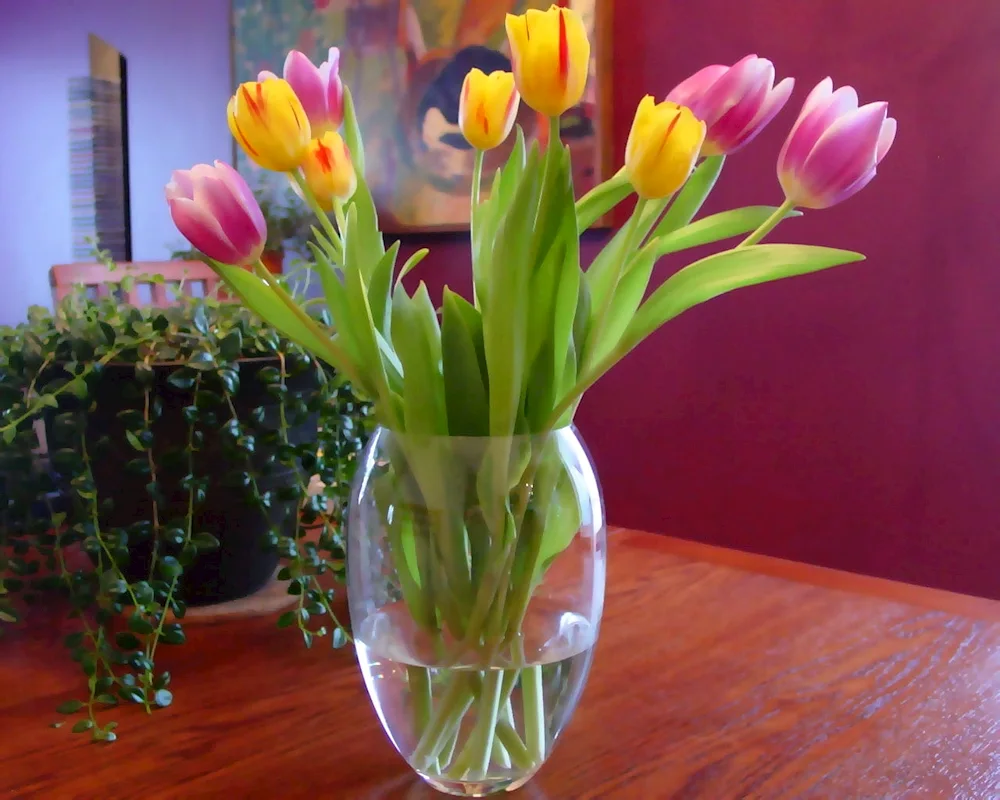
[(405, 61)]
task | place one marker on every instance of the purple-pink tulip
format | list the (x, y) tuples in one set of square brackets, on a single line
[(735, 103), (215, 210), (319, 89), (834, 147)]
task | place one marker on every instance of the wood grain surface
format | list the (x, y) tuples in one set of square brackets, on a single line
[(718, 675)]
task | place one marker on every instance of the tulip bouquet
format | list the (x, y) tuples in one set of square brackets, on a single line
[(509, 364)]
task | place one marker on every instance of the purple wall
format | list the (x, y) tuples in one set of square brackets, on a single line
[(179, 82)]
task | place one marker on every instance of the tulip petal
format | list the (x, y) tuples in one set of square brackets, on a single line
[(885, 139), (845, 152), (305, 80), (266, 75), (824, 109), (239, 188), (727, 91), (772, 105), (180, 185), (213, 195), (198, 227), (689, 91)]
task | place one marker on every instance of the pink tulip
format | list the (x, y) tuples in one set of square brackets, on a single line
[(735, 103), (834, 147), (319, 89), (217, 213)]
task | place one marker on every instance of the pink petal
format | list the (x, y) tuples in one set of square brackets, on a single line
[(689, 91), (266, 75), (885, 139), (306, 82), (198, 227), (239, 189), (180, 185), (845, 152), (850, 191), (729, 129), (730, 88), (825, 110), (214, 196), (772, 105)]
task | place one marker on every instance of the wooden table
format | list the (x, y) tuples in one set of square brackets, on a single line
[(718, 675)]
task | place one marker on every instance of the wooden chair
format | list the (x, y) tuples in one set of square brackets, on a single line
[(194, 278)]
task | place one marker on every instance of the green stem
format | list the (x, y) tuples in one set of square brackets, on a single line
[(477, 180), (768, 225), (454, 705), (419, 679), (321, 215), (474, 759), (533, 708)]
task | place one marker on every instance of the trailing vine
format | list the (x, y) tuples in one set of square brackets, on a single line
[(159, 394)]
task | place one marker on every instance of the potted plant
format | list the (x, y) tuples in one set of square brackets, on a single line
[(181, 447)]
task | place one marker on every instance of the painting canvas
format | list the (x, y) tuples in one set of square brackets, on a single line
[(405, 61)]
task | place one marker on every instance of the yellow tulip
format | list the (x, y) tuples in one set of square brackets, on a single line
[(487, 108), (267, 119), (551, 57), (329, 171), (662, 148)]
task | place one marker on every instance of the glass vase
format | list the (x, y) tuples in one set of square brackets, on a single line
[(476, 571)]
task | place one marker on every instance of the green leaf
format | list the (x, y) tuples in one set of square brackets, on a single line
[(691, 198), (339, 637), (231, 347), (715, 228), (134, 441), (83, 725), (200, 319), (601, 199), (352, 134), (173, 634), (48, 401), (9, 434), (205, 542), (112, 584), (182, 378), (466, 400), (267, 304), (169, 567), (417, 341), (127, 641), (163, 698), (286, 620), (230, 379), (138, 624), (78, 388), (69, 707), (724, 272), (380, 290), (411, 262)]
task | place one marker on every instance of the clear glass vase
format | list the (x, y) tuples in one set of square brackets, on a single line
[(476, 574)]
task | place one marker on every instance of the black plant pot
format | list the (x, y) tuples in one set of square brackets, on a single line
[(243, 563)]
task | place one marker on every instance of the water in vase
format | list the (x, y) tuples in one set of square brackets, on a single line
[(469, 729)]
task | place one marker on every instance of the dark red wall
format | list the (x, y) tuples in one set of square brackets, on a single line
[(851, 418)]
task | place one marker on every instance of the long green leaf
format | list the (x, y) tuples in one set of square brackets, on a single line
[(411, 262), (367, 245), (262, 300), (466, 400), (692, 197), (352, 134), (380, 289), (724, 272), (417, 342), (631, 289), (715, 228), (601, 199)]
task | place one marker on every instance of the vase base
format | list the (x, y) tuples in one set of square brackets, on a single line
[(475, 788)]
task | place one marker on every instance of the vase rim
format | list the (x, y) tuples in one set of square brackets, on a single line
[(571, 429)]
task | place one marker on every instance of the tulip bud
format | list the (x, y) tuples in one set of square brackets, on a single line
[(735, 103), (319, 89), (551, 58), (487, 108), (268, 121), (662, 147), (834, 147), (215, 210), (328, 170)]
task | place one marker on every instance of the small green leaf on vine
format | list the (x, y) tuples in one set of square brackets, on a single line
[(83, 725), (206, 542), (170, 568), (173, 634), (231, 347), (138, 624), (286, 620), (163, 698), (134, 441), (69, 707)]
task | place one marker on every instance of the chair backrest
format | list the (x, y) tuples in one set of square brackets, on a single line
[(194, 278)]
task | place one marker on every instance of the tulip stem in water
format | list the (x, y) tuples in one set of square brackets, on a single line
[(768, 225)]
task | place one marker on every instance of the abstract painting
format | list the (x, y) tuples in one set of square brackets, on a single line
[(405, 61)]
